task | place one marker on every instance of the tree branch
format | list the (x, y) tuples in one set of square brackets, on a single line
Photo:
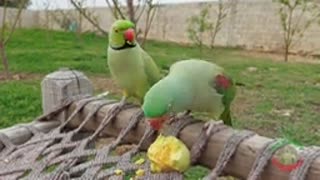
[(15, 22), (114, 13), (141, 11), (131, 11), (149, 19), (117, 8), (4, 15), (87, 16)]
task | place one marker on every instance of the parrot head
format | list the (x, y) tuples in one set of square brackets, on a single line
[(122, 34), (167, 96), (156, 110), (157, 105)]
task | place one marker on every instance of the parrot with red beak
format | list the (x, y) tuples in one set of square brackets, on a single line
[(191, 86), (130, 66)]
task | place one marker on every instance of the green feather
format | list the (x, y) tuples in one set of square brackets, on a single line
[(150, 68), (226, 116), (228, 97), (116, 37), (188, 86), (132, 68)]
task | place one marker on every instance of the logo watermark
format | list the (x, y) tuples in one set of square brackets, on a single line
[(286, 157)]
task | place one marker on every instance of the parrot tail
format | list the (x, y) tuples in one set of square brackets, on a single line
[(226, 116)]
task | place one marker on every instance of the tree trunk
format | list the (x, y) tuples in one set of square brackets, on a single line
[(289, 35), (131, 12), (79, 29), (286, 53), (4, 60), (213, 38), (201, 43), (200, 49)]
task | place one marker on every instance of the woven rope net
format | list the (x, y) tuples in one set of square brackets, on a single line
[(65, 153)]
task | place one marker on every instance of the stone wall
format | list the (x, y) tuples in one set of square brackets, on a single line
[(251, 24), (28, 18)]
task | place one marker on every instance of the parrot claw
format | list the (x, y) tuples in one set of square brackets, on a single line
[(183, 115), (210, 124), (102, 95), (172, 119), (123, 101), (118, 107), (186, 113)]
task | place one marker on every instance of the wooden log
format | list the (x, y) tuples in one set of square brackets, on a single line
[(19, 134), (240, 164)]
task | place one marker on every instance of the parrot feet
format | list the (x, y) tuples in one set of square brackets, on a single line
[(180, 116), (123, 101), (186, 113), (118, 107), (178, 123), (208, 126)]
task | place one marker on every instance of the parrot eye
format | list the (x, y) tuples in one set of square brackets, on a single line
[(115, 29)]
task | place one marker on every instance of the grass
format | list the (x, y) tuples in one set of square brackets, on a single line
[(19, 102), (277, 100), (37, 51)]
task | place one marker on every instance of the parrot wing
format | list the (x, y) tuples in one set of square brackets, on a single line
[(150, 67)]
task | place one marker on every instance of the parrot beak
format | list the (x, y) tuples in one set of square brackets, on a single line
[(156, 123), (129, 35)]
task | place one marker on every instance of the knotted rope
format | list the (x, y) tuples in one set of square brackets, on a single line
[(229, 149)]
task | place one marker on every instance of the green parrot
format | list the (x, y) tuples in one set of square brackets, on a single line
[(191, 85), (130, 66)]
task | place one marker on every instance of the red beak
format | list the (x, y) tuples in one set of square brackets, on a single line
[(156, 123), (129, 35)]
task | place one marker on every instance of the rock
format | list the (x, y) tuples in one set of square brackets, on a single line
[(284, 112), (287, 112), (252, 69), (16, 77)]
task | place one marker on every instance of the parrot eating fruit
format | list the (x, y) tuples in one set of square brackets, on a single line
[(191, 85)]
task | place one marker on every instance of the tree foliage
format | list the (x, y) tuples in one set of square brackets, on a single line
[(204, 24), (221, 13), (198, 25), (88, 15), (296, 16), (15, 3), (125, 10), (6, 32)]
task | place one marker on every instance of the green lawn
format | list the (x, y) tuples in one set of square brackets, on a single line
[(277, 100)]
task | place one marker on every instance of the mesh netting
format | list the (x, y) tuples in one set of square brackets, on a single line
[(64, 153)]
